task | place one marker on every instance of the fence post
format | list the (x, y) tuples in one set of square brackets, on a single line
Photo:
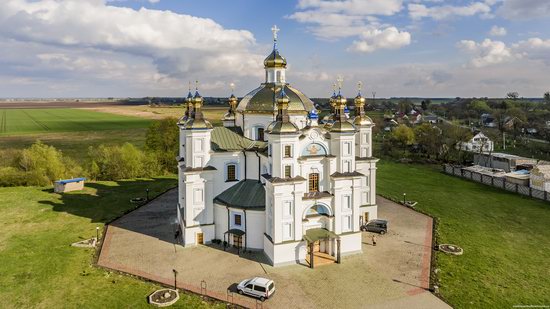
[(517, 188)]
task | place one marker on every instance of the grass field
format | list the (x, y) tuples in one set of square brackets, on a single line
[(25, 121), (506, 237), (38, 267)]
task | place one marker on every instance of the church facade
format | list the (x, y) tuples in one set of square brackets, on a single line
[(275, 179)]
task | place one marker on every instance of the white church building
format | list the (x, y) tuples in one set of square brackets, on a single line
[(274, 179)]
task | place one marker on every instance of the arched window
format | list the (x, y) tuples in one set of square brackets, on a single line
[(278, 76), (318, 210), (260, 134)]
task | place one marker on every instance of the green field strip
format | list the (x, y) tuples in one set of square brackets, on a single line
[(36, 121), (70, 119), (3, 121), (28, 121)]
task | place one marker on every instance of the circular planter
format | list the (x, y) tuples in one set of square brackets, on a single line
[(164, 297), (451, 249)]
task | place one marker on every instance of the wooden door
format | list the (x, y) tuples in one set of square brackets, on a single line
[(200, 239), (316, 247), (365, 218), (237, 241)]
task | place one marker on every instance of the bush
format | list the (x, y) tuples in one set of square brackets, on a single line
[(121, 162), (38, 165)]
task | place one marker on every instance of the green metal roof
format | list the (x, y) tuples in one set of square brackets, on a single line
[(225, 139), (246, 194), (313, 235)]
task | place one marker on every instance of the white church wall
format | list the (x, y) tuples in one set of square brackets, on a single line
[(220, 214), (350, 244), (255, 229), (220, 162), (372, 212), (289, 253)]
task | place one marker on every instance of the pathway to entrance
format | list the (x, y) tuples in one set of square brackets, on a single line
[(394, 274)]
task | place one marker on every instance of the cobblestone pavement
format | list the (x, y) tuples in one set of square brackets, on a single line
[(394, 274)]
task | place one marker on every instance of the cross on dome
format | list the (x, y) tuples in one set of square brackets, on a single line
[(274, 29), (359, 86), (340, 81)]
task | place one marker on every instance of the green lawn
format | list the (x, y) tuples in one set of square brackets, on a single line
[(506, 237), (24, 121), (39, 269)]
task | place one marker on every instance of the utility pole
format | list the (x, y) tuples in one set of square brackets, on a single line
[(504, 140)]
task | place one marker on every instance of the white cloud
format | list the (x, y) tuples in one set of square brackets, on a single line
[(439, 12), (354, 7), (331, 20), (524, 9), (389, 38), (534, 49), (166, 46), (488, 52), (498, 31)]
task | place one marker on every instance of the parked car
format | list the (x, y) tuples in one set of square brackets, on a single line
[(377, 226), (258, 287)]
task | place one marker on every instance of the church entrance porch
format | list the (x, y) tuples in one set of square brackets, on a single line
[(234, 238), (323, 247)]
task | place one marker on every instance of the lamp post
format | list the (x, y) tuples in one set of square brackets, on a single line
[(97, 233), (404, 198), (175, 279), (147, 191)]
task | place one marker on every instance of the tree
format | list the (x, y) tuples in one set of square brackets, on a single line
[(429, 138), (162, 139), (547, 98), (43, 164), (403, 136), (512, 95), (121, 162), (480, 106), (426, 104)]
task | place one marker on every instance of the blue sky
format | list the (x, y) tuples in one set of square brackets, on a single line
[(436, 48)]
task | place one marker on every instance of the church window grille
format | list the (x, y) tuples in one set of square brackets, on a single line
[(288, 151), (288, 171), (231, 172), (238, 220), (314, 182)]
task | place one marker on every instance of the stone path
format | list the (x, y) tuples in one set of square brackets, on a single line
[(394, 274)]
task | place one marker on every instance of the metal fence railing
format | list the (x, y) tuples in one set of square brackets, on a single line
[(498, 182)]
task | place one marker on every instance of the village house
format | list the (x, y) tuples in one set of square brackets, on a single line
[(478, 143)]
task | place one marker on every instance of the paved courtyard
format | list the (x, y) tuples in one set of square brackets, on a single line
[(394, 274)]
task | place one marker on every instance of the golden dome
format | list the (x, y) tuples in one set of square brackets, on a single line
[(275, 60)]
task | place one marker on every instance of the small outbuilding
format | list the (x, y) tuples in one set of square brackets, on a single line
[(69, 185)]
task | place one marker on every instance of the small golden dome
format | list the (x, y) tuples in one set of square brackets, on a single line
[(275, 60)]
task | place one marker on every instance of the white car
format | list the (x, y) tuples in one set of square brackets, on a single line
[(261, 288)]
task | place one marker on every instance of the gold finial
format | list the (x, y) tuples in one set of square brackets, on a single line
[(232, 86)]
